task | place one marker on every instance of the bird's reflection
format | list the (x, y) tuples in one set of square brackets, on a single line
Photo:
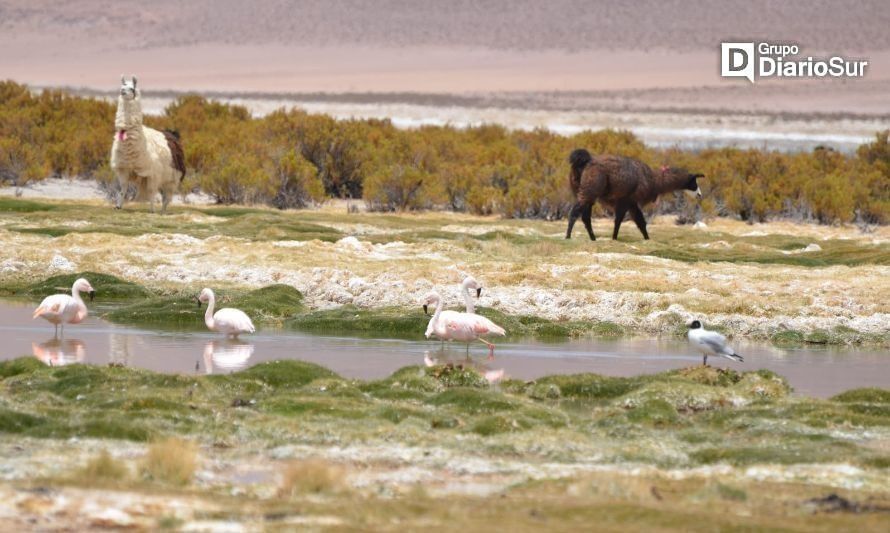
[(226, 356), (60, 352), (492, 375)]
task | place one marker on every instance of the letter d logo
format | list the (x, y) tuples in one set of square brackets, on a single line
[(737, 60)]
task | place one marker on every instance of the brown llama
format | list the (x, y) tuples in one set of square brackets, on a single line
[(623, 184)]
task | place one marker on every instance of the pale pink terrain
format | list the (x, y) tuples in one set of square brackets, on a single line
[(425, 61)]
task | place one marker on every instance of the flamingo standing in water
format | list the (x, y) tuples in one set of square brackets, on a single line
[(229, 322), (463, 327), (61, 309)]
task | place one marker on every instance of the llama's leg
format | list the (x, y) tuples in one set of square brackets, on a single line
[(121, 191), (165, 200), (620, 211), (573, 217), (637, 213), (585, 217)]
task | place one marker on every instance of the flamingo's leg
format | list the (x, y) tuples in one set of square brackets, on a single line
[(490, 348)]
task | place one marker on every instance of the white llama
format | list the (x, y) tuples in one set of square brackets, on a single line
[(147, 158)]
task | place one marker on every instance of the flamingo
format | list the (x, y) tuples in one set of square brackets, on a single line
[(468, 284), (63, 309), (464, 327), (230, 322)]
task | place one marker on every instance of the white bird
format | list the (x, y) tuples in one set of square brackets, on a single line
[(456, 326), (710, 343), (63, 309), (469, 283), (229, 322)]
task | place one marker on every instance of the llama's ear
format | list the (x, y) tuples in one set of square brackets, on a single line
[(134, 81), (122, 79)]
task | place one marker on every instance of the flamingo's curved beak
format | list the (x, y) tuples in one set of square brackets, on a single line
[(198, 300), (479, 292), (92, 295), (425, 310)]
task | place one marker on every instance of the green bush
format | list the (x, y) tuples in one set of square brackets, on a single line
[(291, 158)]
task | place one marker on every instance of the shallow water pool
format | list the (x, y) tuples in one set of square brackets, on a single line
[(813, 371)]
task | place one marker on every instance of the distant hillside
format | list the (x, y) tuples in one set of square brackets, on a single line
[(845, 25)]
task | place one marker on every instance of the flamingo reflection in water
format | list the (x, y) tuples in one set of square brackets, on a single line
[(492, 376), (226, 356), (59, 352)]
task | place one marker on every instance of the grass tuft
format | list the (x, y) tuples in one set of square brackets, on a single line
[(103, 468), (312, 476), (170, 461)]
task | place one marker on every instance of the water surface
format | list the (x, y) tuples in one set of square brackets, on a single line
[(814, 371)]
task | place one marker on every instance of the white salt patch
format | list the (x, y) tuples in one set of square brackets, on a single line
[(700, 225), (289, 244), (59, 262)]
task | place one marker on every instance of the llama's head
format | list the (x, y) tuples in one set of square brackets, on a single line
[(691, 188), (128, 88), (687, 181)]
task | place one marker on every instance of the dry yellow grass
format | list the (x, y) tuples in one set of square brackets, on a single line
[(103, 468), (312, 476), (172, 461)]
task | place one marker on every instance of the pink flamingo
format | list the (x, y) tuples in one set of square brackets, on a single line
[(463, 327), (229, 322), (63, 309)]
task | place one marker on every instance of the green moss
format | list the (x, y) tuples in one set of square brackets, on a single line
[(607, 329), (14, 205), (287, 374), (15, 422), (457, 376), (788, 338), (864, 395), (591, 386), (316, 406), (492, 425), (22, 365), (544, 391), (268, 304), (383, 322), (790, 451), (473, 401), (655, 412), (107, 287)]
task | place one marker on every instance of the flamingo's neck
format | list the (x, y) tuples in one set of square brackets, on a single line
[(431, 328), (471, 307), (81, 306), (208, 316)]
